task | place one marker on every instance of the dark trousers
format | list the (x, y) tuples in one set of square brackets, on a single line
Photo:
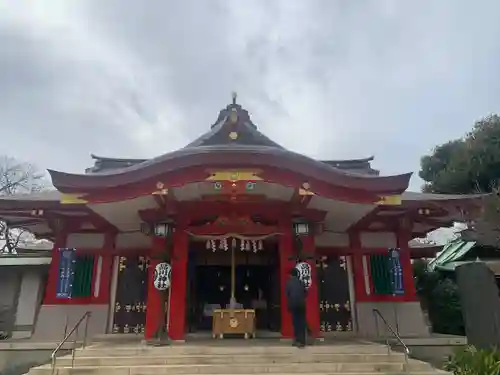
[(299, 325)]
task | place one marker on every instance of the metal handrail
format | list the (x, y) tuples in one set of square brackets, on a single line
[(53, 357), (377, 313)]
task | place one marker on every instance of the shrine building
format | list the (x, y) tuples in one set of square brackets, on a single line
[(232, 212)]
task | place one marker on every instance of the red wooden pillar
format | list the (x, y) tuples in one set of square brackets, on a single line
[(179, 282), (358, 272), (312, 311), (153, 305), (286, 264), (403, 238)]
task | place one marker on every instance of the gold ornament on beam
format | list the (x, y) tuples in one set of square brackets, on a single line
[(389, 200), (72, 199), (305, 190), (234, 175), (160, 189)]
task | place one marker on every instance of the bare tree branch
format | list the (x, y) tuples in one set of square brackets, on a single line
[(16, 178)]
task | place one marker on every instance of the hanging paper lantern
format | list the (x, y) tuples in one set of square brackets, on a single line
[(214, 246), (162, 276), (305, 273), (242, 247), (261, 245), (225, 244)]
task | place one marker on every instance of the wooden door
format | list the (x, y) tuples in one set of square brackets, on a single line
[(131, 295), (334, 296)]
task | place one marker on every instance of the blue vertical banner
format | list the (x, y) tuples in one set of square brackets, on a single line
[(67, 261), (396, 270)]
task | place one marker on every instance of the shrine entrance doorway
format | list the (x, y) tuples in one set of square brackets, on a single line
[(255, 283)]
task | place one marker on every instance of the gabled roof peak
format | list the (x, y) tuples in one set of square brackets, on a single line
[(234, 113), (233, 127)]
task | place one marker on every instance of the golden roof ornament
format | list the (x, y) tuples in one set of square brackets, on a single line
[(233, 114)]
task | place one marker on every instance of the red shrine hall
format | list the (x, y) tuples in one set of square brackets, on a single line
[(221, 222)]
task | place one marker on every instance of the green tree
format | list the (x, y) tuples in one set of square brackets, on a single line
[(470, 165), (467, 165)]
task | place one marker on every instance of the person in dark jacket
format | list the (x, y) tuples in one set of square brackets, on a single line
[(296, 303)]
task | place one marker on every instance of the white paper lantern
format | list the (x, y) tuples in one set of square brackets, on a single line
[(163, 273), (305, 273)]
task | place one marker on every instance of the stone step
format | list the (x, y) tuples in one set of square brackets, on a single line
[(245, 359), (226, 349), (287, 368)]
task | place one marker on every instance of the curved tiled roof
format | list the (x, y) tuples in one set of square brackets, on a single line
[(233, 141)]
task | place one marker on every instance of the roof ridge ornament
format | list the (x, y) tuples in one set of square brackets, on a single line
[(234, 96)]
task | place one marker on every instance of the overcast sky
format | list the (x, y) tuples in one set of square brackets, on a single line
[(331, 79)]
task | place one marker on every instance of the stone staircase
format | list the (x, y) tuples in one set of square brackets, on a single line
[(237, 357)]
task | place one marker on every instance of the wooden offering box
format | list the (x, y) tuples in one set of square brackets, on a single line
[(233, 321)]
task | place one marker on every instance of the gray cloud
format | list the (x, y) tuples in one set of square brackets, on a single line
[(332, 79)]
